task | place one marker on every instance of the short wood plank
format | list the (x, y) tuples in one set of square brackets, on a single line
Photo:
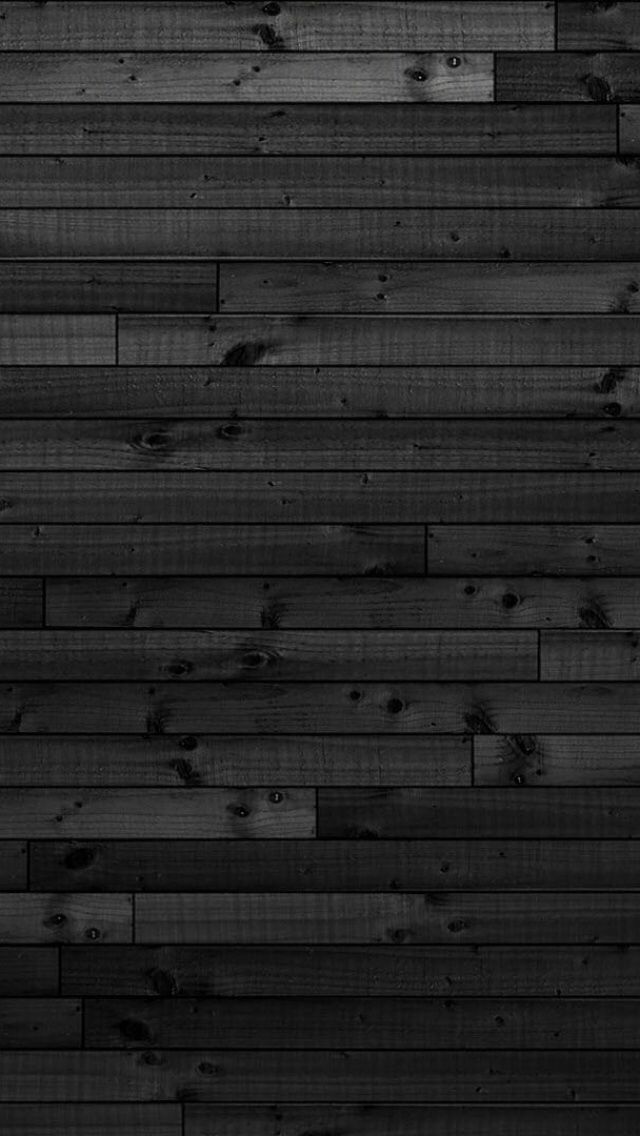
[(341, 708), (556, 760), (241, 77), (179, 549), (411, 1120), (66, 340), (28, 971), (268, 655), (13, 865), (589, 656), (297, 25), (107, 286), (598, 27), (568, 77), (20, 602), (334, 865), (40, 1023), (629, 129), (76, 1119), (306, 128), (452, 970), (275, 445), (369, 234), (478, 813), (310, 181), (65, 918), (403, 287), (359, 602), (325, 392), (157, 761), (321, 340), (558, 550), (362, 1023)]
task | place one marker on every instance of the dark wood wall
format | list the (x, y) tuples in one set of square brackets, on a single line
[(320, 568)]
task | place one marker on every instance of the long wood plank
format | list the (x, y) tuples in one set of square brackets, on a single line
[(40, 1023), (77, 1119), (568, 77), (268, 655), (236, 77), (359, 602), (152, 760), (13, 865), (402, 287), (561, 760), (383, 1076), (305, 128), (313, 182), (20, 602), (603, 27), (312, 708), (62, 340), (589, 656), (362, 1023), (271, 917), (453, 970), (107, 286), (485, 813), (325, 234), (299, 444), (325, 392), (320, 340), (28, 971), (333, 865), (65, 918), (411, 1120), (606, 550), (297, 26), (303, 523), (169, 813), (229, 550)]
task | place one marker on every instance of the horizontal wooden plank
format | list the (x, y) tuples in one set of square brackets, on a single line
[(561, 760), (260, 340), (315, 182), (411, 1120), (370, 234), (480, 812), (306, 128), (453, 970), (66, 340), (580, 656), (362, 1023), (568, 77), (365, 917), (629, 128), (235, 77), (311, 708), (273, 444), (326, 392), (269, 655), (310, 523), (75, 1119), (386, 1076), (20, 602), (107, 286), (28, 971), (608, 550), (168, 813), (213, 760), (13, 865), (40, 1023), (334, 865), (401, 287), (603, 27), (339, 602), (185, 549), (297, 26), (65, 918)]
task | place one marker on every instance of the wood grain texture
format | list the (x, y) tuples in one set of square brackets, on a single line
[(77, 1119), (20, 602), (560, 760), (568, 77), (65, 918), (106, 286), (301, 128), (608, 550), (13, 865), (29, 971), (40, 1023), (629, 128), (56, 339), (605, 27)]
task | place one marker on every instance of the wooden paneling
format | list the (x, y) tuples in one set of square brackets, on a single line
[(571, 77), (606, 550), (560, 760), (603, 27)]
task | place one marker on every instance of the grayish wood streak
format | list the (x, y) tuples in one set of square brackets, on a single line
[(77, 1119), (67, 340), (20, 602), (629, 128), (106, 286), (557, 760), (40, 1023), (568, 77), (13, 865), (606, 27), (555, 550), (65, 919), (589, 655)]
